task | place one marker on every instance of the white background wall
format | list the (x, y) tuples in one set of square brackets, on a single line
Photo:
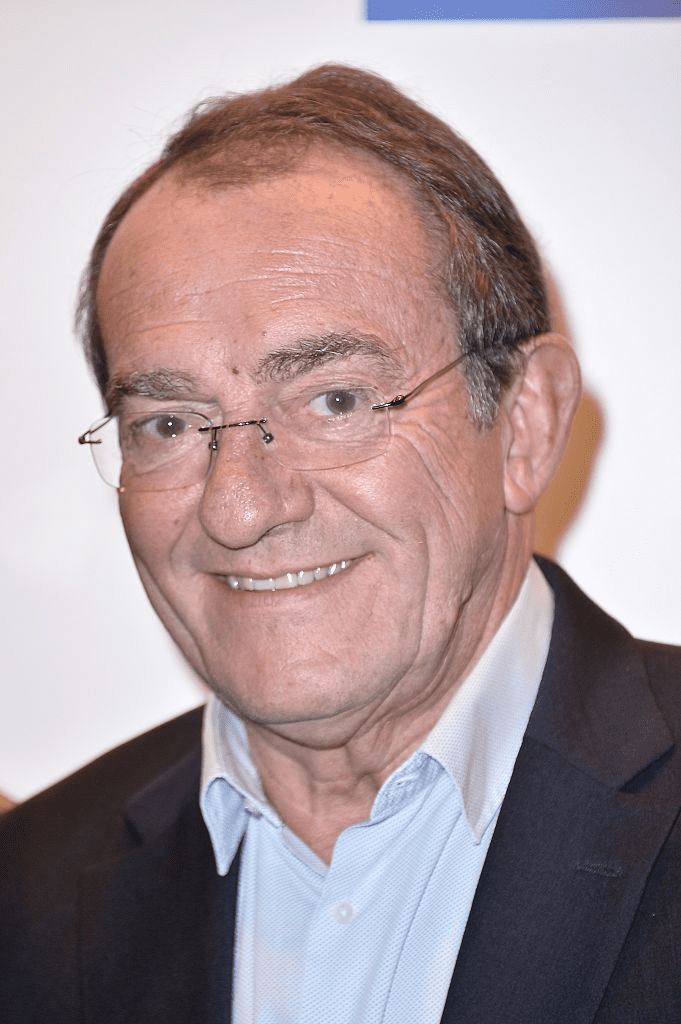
[(581, 122)]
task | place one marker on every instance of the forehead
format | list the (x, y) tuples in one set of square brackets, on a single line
[(337, 244)]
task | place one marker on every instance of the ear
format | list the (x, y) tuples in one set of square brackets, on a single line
[(538, 409)]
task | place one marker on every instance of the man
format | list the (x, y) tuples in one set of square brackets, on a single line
[(431, 784)]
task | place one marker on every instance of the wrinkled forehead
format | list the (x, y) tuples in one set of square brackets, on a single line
[(333, 235), (328, 184)]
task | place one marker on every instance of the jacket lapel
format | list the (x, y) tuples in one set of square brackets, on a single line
[(561, 884), (157, 924), (572, 849)]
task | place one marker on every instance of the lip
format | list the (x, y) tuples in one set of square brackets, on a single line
[(289, 580)]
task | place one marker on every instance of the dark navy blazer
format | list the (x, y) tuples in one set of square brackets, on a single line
[(111, 909)]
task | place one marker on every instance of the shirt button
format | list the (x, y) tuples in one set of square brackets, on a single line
[(344, 912)]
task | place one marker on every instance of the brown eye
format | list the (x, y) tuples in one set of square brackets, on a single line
[(167, 427), (338, 402), (158, 431)]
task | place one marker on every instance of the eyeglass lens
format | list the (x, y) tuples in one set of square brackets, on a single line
[(169, 449)]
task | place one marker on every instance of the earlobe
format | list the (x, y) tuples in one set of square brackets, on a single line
[(539, 408)]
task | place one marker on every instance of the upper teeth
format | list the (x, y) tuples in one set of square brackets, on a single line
[(289, 579)]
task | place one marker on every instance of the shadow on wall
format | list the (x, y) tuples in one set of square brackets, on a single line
[(560, 503), (5, 803), (562, 500)]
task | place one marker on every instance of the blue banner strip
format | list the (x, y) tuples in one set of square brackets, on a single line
[(512, 10)]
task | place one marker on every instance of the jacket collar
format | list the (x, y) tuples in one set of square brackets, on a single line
[(572, 849), (156, 807), (157, 923), (594, 706)]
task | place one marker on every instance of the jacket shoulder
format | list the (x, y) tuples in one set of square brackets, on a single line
[(663, 662), (48, 843), (81, 818)]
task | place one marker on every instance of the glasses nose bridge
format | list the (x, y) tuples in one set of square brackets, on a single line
[(267, 436), (217, 433)]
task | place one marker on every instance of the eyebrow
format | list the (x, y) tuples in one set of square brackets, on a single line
[(278, 366), (161, 383), (309, 353)]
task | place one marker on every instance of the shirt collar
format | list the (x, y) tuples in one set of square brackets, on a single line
[(476, 740), (230, 784)]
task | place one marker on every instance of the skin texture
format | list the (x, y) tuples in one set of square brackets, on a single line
[(339, 681)]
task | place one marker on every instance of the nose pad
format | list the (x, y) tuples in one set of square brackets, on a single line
[(213, 445), (247, 492), (229, 447), (267, 436)]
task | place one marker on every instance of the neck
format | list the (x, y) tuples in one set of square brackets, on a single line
[(320, 791), (323, 776)]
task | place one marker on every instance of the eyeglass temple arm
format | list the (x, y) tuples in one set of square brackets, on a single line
[(401, 399)]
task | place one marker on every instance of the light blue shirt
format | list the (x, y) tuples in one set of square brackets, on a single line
[(374, 936)]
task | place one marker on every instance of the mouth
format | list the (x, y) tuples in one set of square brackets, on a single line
[(289, 580)]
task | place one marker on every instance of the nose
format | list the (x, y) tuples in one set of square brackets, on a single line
[(247, 493)]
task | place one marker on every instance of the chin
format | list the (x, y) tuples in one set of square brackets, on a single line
[(293, 708)]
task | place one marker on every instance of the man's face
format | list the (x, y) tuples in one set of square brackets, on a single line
[(206, 286)]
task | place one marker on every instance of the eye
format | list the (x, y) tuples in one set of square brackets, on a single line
[(165, 427), (337, 402), (160, 441), (159, 429)]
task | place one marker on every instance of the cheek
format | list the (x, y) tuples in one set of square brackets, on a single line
[(455, 472), (154, 525), (449, 500)]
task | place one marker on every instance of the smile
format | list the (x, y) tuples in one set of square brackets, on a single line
[(290, 579)]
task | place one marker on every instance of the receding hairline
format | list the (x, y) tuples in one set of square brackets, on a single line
[(493, 278), (181, 180), (224, 172)]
